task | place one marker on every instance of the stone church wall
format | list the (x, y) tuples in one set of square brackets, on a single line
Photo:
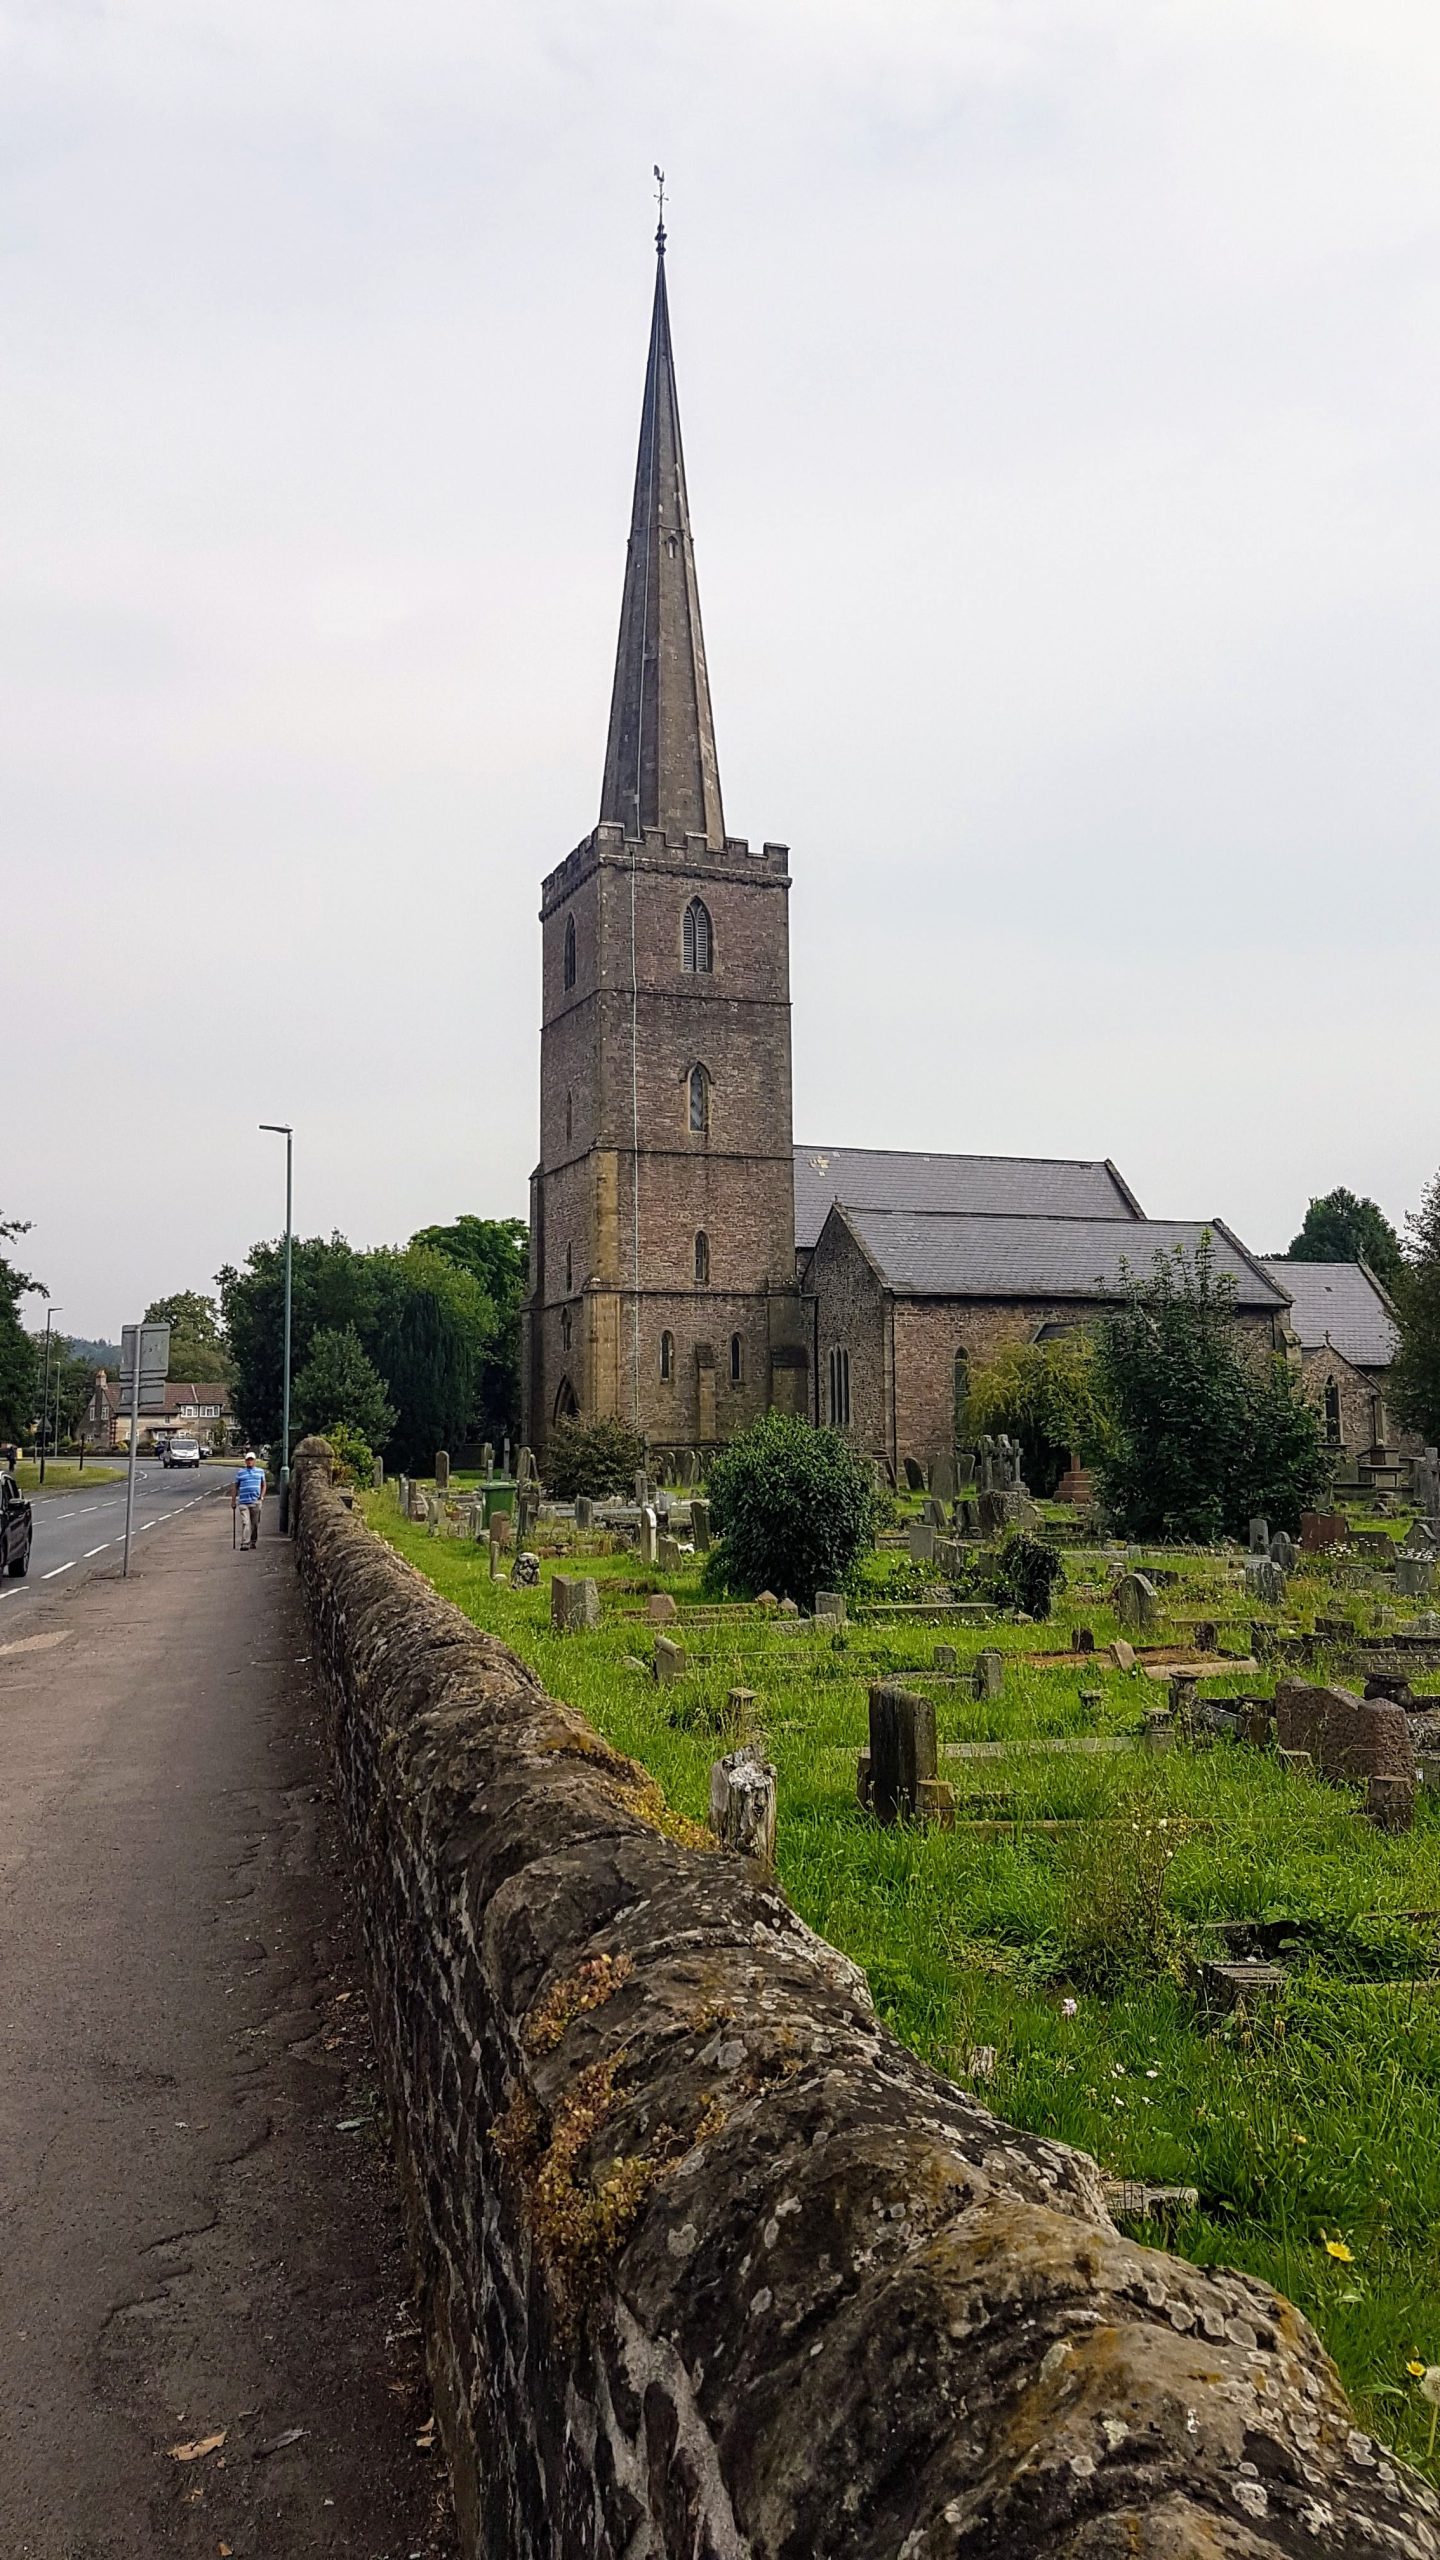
[(709, 2266)]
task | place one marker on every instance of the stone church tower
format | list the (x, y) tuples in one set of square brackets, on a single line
[(662, 1259)]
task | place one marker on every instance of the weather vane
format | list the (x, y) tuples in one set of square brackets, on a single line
[(660, 200)]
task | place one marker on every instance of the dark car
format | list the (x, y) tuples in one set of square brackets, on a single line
[(17, 1528)]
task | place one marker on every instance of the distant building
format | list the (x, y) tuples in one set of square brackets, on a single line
[(1348, 1333), (203, 1407)]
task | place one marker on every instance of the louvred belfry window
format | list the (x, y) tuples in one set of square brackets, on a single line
[(699, 939)]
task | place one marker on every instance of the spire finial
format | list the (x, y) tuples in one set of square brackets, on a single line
[(660, 200)]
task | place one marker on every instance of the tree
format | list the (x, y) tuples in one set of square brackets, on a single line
[(197, 1345), (592, 1458), (1342, 1228), (339, 1384), (61, 1386), (496, 1253), (1043, 1395), (17, 1368), (1414, 1382), (794, 1509), (1203, 1427)]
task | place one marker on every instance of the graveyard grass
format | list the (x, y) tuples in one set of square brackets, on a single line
[(1310, 2128)]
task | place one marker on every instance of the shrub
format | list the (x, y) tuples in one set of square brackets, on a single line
[(591, 1458), (794, 1510), (1415, 1377), (1025, 1574), (341, 1386), (1203, 1427), (1115, 1919), (1043, 1395), (353, 1456)]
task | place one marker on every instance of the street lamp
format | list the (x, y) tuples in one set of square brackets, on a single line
[(282, 1129), (50, 1312)]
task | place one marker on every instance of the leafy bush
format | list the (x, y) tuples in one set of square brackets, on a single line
[(354, 1459), (591, 1458), (794, 1510), (1025, 1574), (340, 1386), (1203, 1426), (1415, 1376), (1043, 1395)]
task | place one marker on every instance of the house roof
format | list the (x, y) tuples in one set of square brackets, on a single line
[(1015, 1186), (931, 1254), (1344, 1303)]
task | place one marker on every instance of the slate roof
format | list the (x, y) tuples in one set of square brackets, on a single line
[(932, 1254), (888, 1178), (1340, 1299)]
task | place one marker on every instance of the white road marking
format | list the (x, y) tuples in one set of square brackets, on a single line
[(58, 1568), (93, 1551)]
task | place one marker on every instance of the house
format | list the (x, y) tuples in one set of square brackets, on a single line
[(904, 1301), (1348, 1333), (202, 1407)]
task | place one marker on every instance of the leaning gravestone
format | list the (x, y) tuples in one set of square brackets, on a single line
[(914, 1476), (1137, 1602), (1259, 1537), (1264, 1582)]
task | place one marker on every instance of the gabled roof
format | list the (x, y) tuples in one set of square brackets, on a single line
[(931, 1254), (1018, 1186), (1341, 1302)]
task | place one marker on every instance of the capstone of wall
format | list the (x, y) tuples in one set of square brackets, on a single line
[(710, 2267)]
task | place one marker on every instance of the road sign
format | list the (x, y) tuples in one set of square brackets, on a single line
[(154, 1348)]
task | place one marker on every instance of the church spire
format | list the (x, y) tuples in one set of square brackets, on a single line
[(660, 764)]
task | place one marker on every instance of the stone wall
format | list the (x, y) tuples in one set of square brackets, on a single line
[(709, 2265)]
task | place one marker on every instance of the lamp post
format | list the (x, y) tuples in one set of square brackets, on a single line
[(282, 1129), (50, 1313)]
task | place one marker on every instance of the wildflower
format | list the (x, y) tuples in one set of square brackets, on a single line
[(1337, 2249), (1417, 2369), (1068, 2008), (1152, 2075), (1430, 2390)]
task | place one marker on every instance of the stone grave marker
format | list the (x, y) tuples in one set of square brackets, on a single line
[(1414, 1577), (377, 1473), (660, 1609), (442, 1470), (487, 1457), (669, 1661), (667, 1554), (743, 1790), (943, 1485), (525, 1573), (1282, 1551), (989, 1674), (944, 1658), (501, 1529), (1321, 1529), (1425, 1483), (1420, 1540), (1137, 1602), (574, 1603), (525, 1467), (1349, 1740), (788, 1609), (902, 1753), (740, 1711), (417, 1504), (1390, 1803), (922, 1542), (584, 1513), (649, 1535), (830, 1608), (700, 1525), (1264, 1582), (505, 1455), (1122, 1654), (1259, 1537), (914, 1476)]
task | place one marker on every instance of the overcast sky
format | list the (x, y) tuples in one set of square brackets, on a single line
[(1059, 384)]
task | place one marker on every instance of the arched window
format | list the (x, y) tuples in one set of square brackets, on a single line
[(962, 1390), (840, 1390), (565, 1329), (702, 1260), (737, 1360), (699, 1101), (569, 1117), (1332, 1411), (565, 1404), (667, 1355), (569, 951), (699, 938), (569, 1269)]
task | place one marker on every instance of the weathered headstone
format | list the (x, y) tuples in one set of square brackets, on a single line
[(740, 1711), (525, 1572), (442, 1470), (1420, 1540), (1425, 1483), (1414, 1577), (1082, 1639), (1347, 1739), (989, 1674), (667, 1554), (525, 1467), (1137, 1602), (830, 1607), (1091, 1701), (922, 1542), (943, 1657), (584, 1513), (1122, 1654), (487, 1457), (743, 1790), (1282, 1551), (934, 1511), (574, 1603), (1321, 1529), (643, 1492), (1390, 1803), (788, 1608), (699, 1525), (418, 1509), (502, 1530), (649, 1535), (505, 1455), (660, 1609), (942, 1477), (914, 1476), (1259, 1537), (377, 1473), (902, 1751), (669, 1660), (1265, 1582)]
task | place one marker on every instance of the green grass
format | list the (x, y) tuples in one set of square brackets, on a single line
[(1316, 2123), (62, 1476)]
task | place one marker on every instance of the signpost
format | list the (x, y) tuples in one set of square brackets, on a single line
[(144, 1368)]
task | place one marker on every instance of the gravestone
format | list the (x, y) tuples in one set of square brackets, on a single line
[(995, 1512), (830, 1607), (417, 1503), (989, 1674), (642, 1488), (527, 1510), (1390, 1803), (1082, 1639), (505, 1455), (942, 1477), (1122, 1654), (1091, 1701), (933, 1511), (1420, 1540), (649, 1535), (667, 1554), (944, 1657), (494, 1556), (788, 1609), (1348, 1739), (487, 1457), (914, 1476), (377, 1473), (1264, 1582), (525, 1467), (442, 1470), (1259, 1537), (584, 1513), (902, 1751), (660, 1609), (922, 1542), (1282, 1551), (1425, 1483), (574, 1603), (742, 1803), (1321, 1529), (740, 1711), (967, 1516), (1136, 1603), (525, 1573), (1414, 1577), (502, 1530), (669, 1661), (699, 1525)]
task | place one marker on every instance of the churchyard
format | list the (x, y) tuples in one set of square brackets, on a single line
[(1132, 1912)]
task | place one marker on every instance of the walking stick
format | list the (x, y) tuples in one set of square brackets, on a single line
[(234, 1507)]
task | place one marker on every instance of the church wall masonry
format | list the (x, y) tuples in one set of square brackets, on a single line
[(708, 2264)]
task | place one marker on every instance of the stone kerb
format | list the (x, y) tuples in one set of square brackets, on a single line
[(709, 2263)]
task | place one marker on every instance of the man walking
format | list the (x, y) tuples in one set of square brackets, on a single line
[(246, 1495)]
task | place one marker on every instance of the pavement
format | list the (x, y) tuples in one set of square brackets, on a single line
[(83, 1533), (199, 2225)]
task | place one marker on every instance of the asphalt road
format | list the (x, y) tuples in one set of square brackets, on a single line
[(84, 1532), (208, 2342)]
